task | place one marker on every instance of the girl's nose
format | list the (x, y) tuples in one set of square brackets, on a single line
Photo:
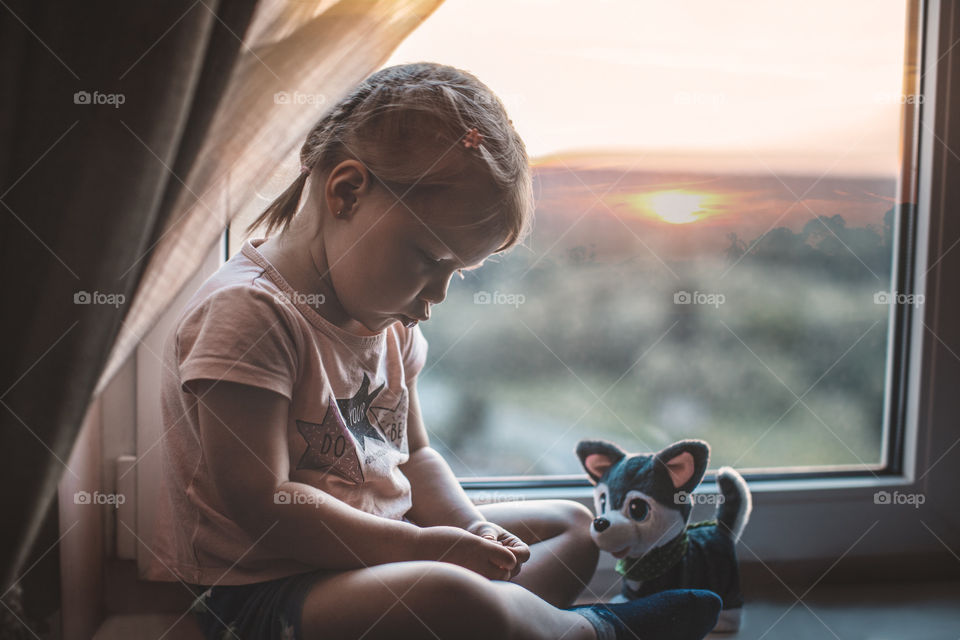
[(436, 292)]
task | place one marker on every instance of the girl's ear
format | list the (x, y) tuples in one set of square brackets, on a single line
[(597, 456), (686, 462)]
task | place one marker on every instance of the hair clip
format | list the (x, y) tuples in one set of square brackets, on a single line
[(472, 139), (304, 170)]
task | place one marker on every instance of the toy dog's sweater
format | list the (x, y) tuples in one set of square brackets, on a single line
[(710, 562)]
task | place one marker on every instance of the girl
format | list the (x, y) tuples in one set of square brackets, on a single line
[(302, 497)]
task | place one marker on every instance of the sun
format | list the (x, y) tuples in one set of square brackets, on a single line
[(676, 207)]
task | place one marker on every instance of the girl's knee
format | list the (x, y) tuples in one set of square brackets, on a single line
[(581, 517), (577, 517), (580, 520)]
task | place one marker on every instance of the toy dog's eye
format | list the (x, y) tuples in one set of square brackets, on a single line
[(603, 502), (639, 509)]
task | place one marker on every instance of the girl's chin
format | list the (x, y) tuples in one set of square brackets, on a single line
[(378, 324), (381, 323), (370, 327)]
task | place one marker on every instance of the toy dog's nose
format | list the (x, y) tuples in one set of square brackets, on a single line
[(600, 524)]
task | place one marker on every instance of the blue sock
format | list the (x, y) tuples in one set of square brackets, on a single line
[(677, 614)]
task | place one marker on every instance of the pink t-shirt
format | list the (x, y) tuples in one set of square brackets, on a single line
[(347, 422)]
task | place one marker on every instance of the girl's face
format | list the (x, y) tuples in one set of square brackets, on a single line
[(392, 259)]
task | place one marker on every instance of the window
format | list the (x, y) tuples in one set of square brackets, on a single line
[(819, 99), (720, 191)]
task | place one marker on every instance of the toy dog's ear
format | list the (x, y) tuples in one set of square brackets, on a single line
[(597, 456), (686, 462)]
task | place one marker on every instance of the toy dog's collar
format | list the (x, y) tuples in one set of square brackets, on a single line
[(656, 562)]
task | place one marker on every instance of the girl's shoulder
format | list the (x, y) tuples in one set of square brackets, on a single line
[(239, 301), (240, 284)]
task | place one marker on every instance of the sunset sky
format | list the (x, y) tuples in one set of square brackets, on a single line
[(682, 215), (738, 86)]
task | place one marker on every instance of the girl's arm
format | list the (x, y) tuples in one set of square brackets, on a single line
[(243, 432), (438, 499)]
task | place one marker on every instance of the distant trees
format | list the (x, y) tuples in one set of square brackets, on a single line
[(825, 244)]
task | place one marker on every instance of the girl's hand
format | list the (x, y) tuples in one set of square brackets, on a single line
[(458, 546), (493, 531)]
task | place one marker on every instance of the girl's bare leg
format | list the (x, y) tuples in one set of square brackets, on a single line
[(563, 557), (431, 600)]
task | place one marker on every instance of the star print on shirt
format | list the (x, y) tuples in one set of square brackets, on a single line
[(355, 410), (331, 444), (392, 419)]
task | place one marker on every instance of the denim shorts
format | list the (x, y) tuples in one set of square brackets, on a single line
[(262, 610)]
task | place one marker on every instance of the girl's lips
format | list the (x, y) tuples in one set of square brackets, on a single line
[(407, 321)]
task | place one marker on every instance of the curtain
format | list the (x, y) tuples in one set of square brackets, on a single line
[(302, 58), (126, 127)]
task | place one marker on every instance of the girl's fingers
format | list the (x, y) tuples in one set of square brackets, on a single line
[(506, 559), (518, 550), (487, 531), (503, 571), (518, 547)]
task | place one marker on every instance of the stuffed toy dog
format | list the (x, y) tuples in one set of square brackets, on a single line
[(642, 503)]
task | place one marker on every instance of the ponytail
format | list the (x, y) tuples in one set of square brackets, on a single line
[(282, 209)]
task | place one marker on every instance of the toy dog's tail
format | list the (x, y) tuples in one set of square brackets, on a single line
[(734, 511)]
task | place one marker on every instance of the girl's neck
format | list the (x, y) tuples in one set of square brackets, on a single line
[(292, 255)]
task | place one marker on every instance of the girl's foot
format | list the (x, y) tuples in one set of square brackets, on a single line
[(677, 614)]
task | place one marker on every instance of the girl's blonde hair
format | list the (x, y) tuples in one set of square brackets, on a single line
[(428, 107)]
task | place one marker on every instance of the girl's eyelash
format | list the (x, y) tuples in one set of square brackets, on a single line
[(429, 258), (433, 260)]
